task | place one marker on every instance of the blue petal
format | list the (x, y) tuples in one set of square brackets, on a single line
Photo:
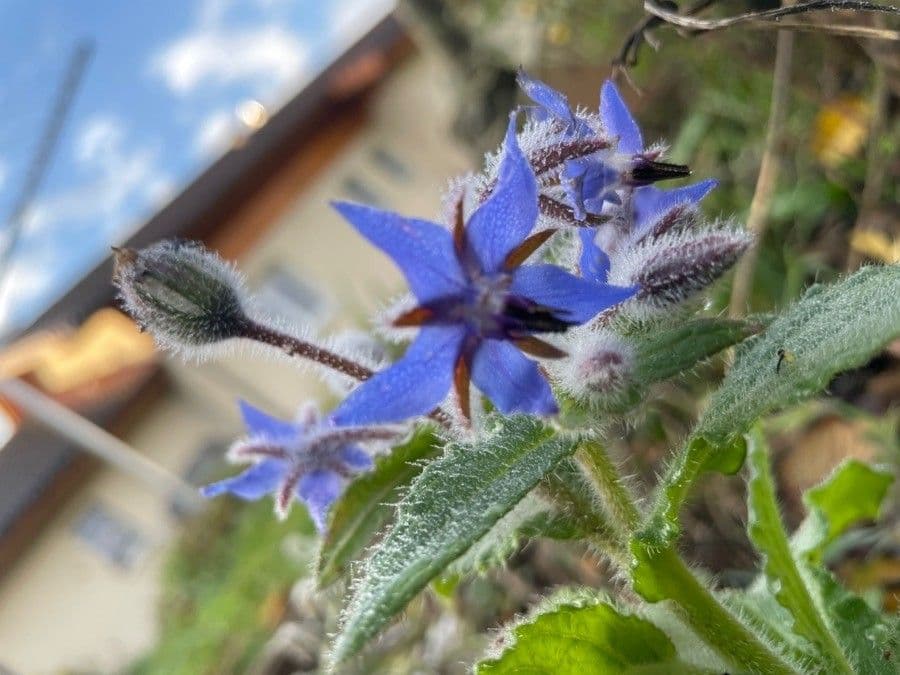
[(259, 423), (509, 214), (512, 381), (260, 479), (412, 386), (574, 299), (650, 202), (588, 182), (355, 458), (552, 101), (618, 120), (319, 489), (422, 250), (593, 263)]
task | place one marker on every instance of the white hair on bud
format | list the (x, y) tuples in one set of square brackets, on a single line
[(188, 298), (675, 266), (599, 367)]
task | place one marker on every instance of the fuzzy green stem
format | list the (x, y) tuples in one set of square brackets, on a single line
[(718, 627), (609, 486), (568, 490)]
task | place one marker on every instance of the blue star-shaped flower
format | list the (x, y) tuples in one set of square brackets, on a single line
[(310, 460), (479, 307), (592, 181)]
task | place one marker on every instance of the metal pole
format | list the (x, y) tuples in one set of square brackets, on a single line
[(99, 442), (46, 149)]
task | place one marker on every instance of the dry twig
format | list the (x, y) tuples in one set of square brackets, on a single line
[(757, 219), (772, 17), (875, 161)]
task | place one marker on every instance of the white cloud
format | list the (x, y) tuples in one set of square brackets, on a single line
[(263, 55), (215, 133), (117, 173), (100, 136), (25, 286), (119, 180)]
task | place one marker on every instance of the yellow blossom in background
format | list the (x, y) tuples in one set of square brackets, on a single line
[(840, 130), (876, 245)]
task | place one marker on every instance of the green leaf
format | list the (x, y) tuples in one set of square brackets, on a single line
[(452, 504), (850, 636), (659, 574), (870, 640), (661, 354), (829, 330), (759, 609), (587, 638), (783, 571), (365, 506), (853, 493), (529, 519)]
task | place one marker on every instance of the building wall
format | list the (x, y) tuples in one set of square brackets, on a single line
[(68, 604)]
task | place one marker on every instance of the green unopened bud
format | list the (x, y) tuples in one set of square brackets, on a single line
[(183, 294)]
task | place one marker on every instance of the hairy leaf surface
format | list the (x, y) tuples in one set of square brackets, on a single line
[(452, 504), (365, 507), (587, 639)]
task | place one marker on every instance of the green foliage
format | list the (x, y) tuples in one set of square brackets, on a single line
[(531, 518), (366, 505), (852, 494), (783, 570), (661, 528), (664, 353), (831, 329), (849, 636), (453, 503), (587, 637), (659, 574), (225, 587)]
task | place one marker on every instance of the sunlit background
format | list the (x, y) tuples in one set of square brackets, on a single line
[(147, 94), (235, 122)]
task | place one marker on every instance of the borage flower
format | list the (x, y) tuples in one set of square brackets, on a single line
[(479, 306), (647, 215), (310, 459), (593, 179), (661, 245)]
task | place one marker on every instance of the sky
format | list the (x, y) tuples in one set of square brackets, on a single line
[(157, 104)]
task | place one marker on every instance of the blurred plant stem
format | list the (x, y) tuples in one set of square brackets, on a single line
[(757, 220), (875, 163)]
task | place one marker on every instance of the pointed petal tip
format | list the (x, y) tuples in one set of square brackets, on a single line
[(211, 490), (618, 120)]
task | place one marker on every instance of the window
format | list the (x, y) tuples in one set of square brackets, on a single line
[(117, 541)]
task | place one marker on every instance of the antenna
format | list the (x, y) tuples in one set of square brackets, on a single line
[(43, 156)]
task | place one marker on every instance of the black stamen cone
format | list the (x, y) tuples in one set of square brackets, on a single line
[(647, 171)]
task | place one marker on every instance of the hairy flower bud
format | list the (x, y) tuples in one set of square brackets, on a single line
[(676, 266), (600, 369), (184, 294)]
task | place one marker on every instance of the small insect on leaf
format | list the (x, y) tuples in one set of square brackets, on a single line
[(784, 355)]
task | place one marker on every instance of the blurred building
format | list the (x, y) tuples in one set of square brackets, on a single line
[(81, 544)]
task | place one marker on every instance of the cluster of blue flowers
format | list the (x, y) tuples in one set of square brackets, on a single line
[(491, 292)]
